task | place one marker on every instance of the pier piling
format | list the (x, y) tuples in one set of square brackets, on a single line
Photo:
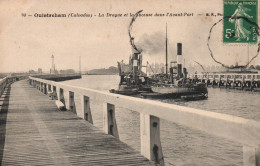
[(61, 96), (241, 81), (251, 156), (150, 138), (109, 120), (86, 108), (71, 102)]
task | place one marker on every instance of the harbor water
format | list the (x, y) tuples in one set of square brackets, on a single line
[(181, 146)]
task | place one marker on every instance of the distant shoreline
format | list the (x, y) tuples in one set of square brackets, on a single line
[(100, 74), (109, 71)]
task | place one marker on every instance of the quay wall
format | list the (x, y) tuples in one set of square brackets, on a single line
[(58, 77), (77, 99)]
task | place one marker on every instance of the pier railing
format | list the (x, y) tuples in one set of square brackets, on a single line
[(6, 80), (240, 130), (3, 83)]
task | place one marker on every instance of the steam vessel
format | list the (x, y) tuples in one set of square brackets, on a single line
[(177, 85), (169, 85), (132, 80)]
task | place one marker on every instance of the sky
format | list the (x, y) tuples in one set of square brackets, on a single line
[(29, 42)]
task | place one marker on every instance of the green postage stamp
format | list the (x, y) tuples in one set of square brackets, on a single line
[(240, 21)]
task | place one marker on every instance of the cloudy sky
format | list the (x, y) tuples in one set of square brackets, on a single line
[(28, 42)]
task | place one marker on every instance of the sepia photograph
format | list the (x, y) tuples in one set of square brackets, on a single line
[(130, 83)]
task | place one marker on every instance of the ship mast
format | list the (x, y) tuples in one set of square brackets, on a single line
[(166, 64), (247, 54)]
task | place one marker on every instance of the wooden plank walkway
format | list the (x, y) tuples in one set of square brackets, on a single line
[(34, 132)]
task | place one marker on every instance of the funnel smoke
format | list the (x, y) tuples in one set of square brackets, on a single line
[(152, 44)]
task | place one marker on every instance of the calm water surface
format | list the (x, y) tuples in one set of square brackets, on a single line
[(182, 146)]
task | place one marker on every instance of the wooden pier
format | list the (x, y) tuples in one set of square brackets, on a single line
[(240, 130), (34, 132), (241, 81)]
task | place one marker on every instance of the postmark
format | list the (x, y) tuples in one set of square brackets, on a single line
[(240, 17), (254, 25)]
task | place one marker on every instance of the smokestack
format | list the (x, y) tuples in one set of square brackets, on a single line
[(179, 60), (135, 67), (185, 72)]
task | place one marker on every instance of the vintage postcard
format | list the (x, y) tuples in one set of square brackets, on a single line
[(133, 82)]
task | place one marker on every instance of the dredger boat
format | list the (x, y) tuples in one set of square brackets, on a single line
[(132, 80)]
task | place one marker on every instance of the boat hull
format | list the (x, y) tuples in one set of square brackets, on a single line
[(125, 90), (170, 91), (176, 90), (194, 97)]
